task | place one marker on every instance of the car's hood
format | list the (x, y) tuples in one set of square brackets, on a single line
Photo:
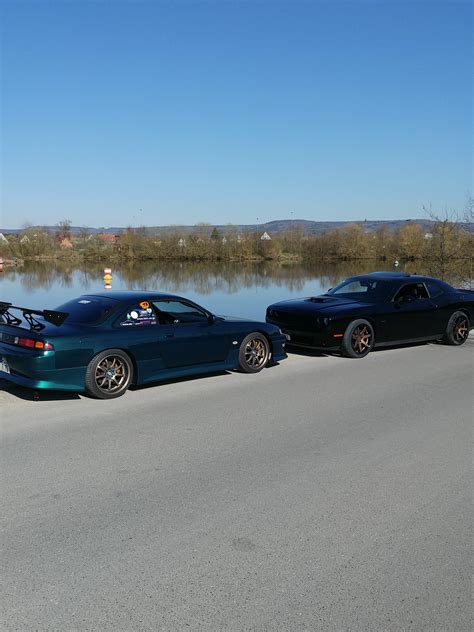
[(230, 318), (249, 324), (316, 304)]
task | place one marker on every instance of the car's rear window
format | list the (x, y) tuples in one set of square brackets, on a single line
[(436, 288), (88, 310)]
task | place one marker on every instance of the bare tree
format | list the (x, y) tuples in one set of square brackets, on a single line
[(447, 251), (64, 229)]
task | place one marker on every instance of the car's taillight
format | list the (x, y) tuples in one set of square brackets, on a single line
[(30, 343)]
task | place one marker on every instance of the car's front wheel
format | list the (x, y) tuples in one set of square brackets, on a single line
[(254, 353), (358, 339), (457, 330), (109, 374)]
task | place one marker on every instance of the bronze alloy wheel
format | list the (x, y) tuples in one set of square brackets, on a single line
[(256, 353), (361, 339), (111, 375), (460, 329)]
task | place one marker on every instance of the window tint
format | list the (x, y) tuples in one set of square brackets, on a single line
[(88, 310), (435, 289), (413, 291), (140, 314), (175, 312)]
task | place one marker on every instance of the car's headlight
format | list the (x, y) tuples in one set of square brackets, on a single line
[(323, 321)]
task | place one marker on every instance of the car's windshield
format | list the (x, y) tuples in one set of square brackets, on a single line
[(362, 288), (88, 310)]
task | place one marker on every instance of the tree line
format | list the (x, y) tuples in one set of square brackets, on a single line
[(446, 246)]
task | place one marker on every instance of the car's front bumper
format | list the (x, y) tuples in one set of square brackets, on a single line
[(308, 339), (279, 342)]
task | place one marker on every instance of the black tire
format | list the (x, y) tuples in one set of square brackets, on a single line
[(358, 339), (254, 353), (109, 374), (457, 329)]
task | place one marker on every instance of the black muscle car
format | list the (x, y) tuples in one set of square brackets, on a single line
[(375, 310)]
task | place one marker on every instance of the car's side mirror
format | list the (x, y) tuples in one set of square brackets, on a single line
[(211, 319)]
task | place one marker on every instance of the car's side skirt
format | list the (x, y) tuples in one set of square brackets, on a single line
[(391, 343), (406, 341), (201, 369)]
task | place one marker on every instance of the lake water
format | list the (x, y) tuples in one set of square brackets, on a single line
[(223, 288)]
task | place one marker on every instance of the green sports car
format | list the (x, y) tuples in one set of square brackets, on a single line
[(103, 343)]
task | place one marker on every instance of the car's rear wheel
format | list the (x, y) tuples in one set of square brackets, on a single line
[(457, 330), (254, 353), (358, 339), (109, 374)]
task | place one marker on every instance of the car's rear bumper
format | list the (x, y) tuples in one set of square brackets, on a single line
[(37, 370), (63, 380)]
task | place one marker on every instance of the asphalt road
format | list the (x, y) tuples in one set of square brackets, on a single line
[(321, 494)]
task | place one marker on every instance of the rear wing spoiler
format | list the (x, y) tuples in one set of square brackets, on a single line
[(50, 316)]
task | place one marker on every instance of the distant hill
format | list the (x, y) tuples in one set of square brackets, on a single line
[(309, 227)]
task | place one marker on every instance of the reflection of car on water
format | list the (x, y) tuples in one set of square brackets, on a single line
[(103, 343), (375, 310)]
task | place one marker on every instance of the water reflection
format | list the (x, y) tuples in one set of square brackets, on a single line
[(204, 277), (238, 288)]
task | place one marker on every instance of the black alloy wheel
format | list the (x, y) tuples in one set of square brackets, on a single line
[(358, 339), (109, 374), (457, 330), (254, 353)]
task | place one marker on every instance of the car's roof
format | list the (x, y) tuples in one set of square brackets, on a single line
[(130, 295), (391, 276), (388, 275)]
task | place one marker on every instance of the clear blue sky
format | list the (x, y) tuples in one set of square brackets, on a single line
[(233, 111)]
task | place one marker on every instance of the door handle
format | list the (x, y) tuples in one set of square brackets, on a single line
[(166, 336)]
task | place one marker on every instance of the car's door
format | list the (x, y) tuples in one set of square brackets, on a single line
[(440, 299), (410, 314), (136, 330), (188, 335)]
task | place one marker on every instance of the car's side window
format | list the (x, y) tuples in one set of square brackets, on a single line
[(139, 315), (434, 289), (411, 291), (175, 312)]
